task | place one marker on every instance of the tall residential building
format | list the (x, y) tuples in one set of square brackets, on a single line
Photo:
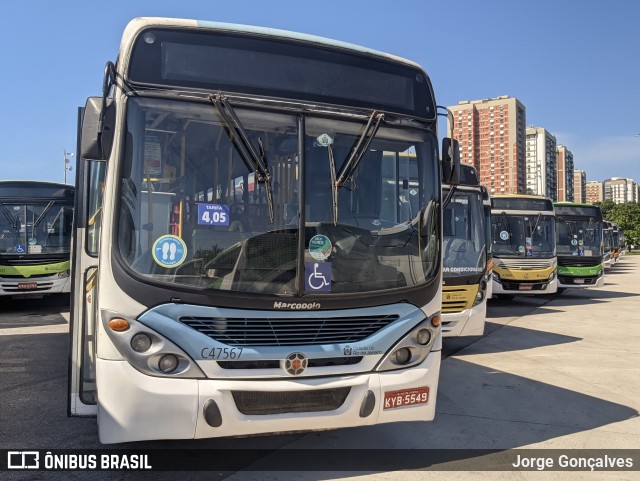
[(621, 190), (541, 163), (565, 174), (579, 186), (491, 133), (595, 191)]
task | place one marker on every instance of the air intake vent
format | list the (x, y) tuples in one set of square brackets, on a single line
[(258, 403), (288, 331)]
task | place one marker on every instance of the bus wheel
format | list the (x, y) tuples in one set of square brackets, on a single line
[(506, 297)]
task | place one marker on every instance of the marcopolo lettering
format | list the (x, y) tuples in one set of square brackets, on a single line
[(296, 305)]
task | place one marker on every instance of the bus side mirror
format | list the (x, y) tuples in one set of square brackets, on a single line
[(450, 161), (97, 129)]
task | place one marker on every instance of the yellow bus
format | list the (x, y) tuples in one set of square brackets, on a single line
[(524, 245)]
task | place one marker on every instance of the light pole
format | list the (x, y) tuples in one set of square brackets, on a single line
[(67, 160)]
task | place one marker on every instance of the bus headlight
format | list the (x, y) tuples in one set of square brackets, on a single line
[(482, 292), (413, 348), (168, 363), (147, 350), (140, 342)]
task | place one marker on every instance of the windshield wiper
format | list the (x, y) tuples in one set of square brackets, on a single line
[(532, 231), (350, 165), (44, 212), (255, 162)]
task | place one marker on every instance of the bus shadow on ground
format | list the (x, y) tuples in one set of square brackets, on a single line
[(21, 313), (589, 296), (479, 409)]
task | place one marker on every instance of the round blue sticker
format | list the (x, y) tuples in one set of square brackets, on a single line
[(169, 251)]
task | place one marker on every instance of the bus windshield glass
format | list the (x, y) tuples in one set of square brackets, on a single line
[(464, 243), (35, 228), (578, 236), (195, 212), (523, 235)]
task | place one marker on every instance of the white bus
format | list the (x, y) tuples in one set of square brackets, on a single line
[(467, 264), (35, 237), (268, 210)]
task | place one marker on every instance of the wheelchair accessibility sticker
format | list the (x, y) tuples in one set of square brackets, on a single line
[(169, 251), (317, 276)]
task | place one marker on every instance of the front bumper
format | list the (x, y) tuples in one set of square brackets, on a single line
[(133, 406), (469, 322)]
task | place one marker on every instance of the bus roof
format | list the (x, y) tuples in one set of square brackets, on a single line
[(139, 23), (29, 189)]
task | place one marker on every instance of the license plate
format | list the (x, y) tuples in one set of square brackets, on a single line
[(525, 287), (406, 397), (27, 285), (578, 281)]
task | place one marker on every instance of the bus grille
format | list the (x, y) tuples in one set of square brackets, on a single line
[(275, 364), (260, 403), (523, 264), (289, 331), (575, 261), (453, 307)]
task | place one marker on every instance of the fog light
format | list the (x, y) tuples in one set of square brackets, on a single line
[(403, 355), (168, 363), (140, 342), (63, 274), (423, 337)]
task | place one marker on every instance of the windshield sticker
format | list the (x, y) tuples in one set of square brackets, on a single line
[(521, 249), (152, 155), (213, 214), (320, 247), (317, 276), (504, 235), (527, 241), (35, 249), (574, 242), (20, 249), (33, 241), (169, 251), (324, 140)]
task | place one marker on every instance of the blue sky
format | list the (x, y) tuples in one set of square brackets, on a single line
[(574, 64)]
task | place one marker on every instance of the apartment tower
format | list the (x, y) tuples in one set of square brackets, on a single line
[(595, 191), (621, 190), (579, 186), (491, 133), (565, 174), (541, 163)]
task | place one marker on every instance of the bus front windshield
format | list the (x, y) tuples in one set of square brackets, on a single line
[(523, 235), (578, 236), (35, 229), (196, 211), (464, 233)]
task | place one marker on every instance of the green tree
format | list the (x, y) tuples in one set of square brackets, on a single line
[(607, 206), (627, 217)]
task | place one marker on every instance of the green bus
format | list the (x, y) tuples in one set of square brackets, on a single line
[(579, 245), (35, 237)]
